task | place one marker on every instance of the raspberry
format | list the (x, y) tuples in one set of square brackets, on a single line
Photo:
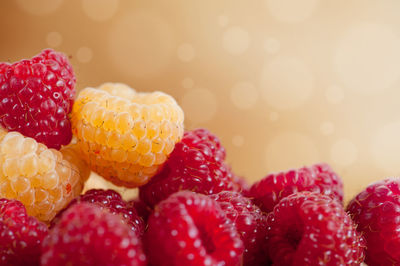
[(126, 136), (112, 202), (36, 97), (37, 176), (308, 228), (20, 235), (242, 183), (250, 223), (376, 210), (90, 235), (141, 208), (320, 178), (196, 164), (71, 153), (191, 229)]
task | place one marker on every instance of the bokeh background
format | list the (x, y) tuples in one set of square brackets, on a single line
[(283, 83)]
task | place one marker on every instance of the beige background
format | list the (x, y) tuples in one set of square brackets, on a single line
[(282, 82)]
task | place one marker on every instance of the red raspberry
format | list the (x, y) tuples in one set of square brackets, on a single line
[(113, 202), (191, 229), (20, 235), (36, 97), (141, 208), (89, 235), (309, 228), (241, 182), (196, 164), (376, 210), (320, 178), (250, 223)]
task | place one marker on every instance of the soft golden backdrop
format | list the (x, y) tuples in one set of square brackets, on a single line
[(283, 83)]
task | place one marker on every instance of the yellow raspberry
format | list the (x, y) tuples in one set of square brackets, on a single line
[(126, 136), (41, 178), (71, 153)]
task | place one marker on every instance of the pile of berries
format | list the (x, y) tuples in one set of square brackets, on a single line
[(191, 210)]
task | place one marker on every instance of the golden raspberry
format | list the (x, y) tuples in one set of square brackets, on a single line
[(123, 135), (41, 178), (71, 153)]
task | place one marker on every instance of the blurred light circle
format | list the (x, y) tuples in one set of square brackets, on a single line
[(84, 54), (327, 128), (187, 83), (334, 94), (244, 95), (273, 116), (100, 10), (344, 152), (186, 52), (223, 20), (367, 58), (199, 105), (238, 140), (290, 150), (236, 40), (386, 146), (54, 39), (291, 11), (272, 45), (141, 44), (286, 82), (39, 7)]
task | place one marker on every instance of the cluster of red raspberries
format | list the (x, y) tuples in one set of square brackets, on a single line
[(195, 211)]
